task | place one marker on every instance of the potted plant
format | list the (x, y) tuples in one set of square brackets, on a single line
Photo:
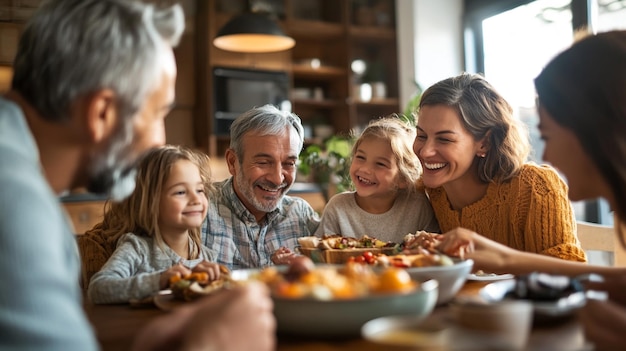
[(328, 165), (410, 110)]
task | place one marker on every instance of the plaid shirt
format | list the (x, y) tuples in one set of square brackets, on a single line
[(231, 231)]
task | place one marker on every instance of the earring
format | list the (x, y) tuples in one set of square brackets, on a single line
[(481, 154)]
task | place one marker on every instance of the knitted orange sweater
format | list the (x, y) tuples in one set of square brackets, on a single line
[(530, 212)]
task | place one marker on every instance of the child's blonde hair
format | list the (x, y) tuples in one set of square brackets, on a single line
[(400, 136), (139, 213)]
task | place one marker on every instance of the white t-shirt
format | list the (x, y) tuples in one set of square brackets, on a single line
[(410, 212)]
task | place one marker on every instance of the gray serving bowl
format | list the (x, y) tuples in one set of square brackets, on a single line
[(342, 318)]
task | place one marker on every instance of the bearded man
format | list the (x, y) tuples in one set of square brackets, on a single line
[(251, 222)]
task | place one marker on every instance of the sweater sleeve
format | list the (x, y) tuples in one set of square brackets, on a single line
[(546, 214), (121, 278)]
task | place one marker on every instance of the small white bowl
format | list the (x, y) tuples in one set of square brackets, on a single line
[(399, 333), (450, 278)]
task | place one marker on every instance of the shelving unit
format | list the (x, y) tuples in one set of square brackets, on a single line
[(329, 35)]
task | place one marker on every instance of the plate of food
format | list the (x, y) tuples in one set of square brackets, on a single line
[(337, 249), (418, 254), (330, 301), (488, 277), (323, 300), (191, 287)]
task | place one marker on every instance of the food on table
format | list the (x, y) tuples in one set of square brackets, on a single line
[(404, 261), (338, 249), (305, 280), (335, 241), (309, 242), (481, 273), (421, 240), (416, 250), (197, 284), (425, 241)]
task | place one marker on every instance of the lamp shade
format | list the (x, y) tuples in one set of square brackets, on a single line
[(254, 33)]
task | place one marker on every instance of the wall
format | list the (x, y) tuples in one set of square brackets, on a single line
[(430, 43)]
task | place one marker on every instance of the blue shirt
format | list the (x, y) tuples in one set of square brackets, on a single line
[(40, 299), (232, 232)]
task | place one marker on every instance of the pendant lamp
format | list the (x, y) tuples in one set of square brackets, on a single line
[(252, 32)]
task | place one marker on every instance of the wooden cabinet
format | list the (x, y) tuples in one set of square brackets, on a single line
[(324, 89), (329, 34)]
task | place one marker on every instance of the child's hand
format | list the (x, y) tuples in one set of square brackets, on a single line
[(176, 270), (211, 268)]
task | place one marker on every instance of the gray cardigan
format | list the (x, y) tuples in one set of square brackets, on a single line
[(134, 269)]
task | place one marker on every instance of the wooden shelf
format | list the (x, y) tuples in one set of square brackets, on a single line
[(327, 103), (329, 33), (314, 29), (323, 72), (372, 33), (387, 102)]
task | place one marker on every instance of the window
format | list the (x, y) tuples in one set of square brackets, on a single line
[(517, 44), (510, 41), (611, 15)]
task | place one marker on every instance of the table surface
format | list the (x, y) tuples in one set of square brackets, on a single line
[(116, 326)]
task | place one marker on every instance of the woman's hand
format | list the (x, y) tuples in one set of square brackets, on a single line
[(488, 255), (176, 270), (604, 323), (211, 268), (457, 242), (283, 256)]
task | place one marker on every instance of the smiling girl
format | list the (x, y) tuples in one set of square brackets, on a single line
[(159, 228), (387, 203), (473, 152)]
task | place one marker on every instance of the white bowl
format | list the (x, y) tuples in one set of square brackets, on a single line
[(450, 278), (403, 333), (340, 318)]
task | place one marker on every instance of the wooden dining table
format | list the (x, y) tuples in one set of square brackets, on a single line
[(117, 325)]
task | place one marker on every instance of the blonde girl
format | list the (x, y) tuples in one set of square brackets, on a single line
[(387, 202), (158, 228)]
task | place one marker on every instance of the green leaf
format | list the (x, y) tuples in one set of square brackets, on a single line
[(340, 146)]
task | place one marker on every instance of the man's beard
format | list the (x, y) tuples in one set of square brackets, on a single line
[(248, 192), (112, 172)]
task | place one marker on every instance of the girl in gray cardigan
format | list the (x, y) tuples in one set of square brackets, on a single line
[(158, 228)]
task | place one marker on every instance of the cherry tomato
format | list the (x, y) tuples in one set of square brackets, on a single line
[(360, 259), (369, 257), (399, 263)]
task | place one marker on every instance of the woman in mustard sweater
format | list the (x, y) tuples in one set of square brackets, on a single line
[(473, 153), (582, 117)]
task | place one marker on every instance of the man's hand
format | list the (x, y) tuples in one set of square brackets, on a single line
[(216, 322)]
